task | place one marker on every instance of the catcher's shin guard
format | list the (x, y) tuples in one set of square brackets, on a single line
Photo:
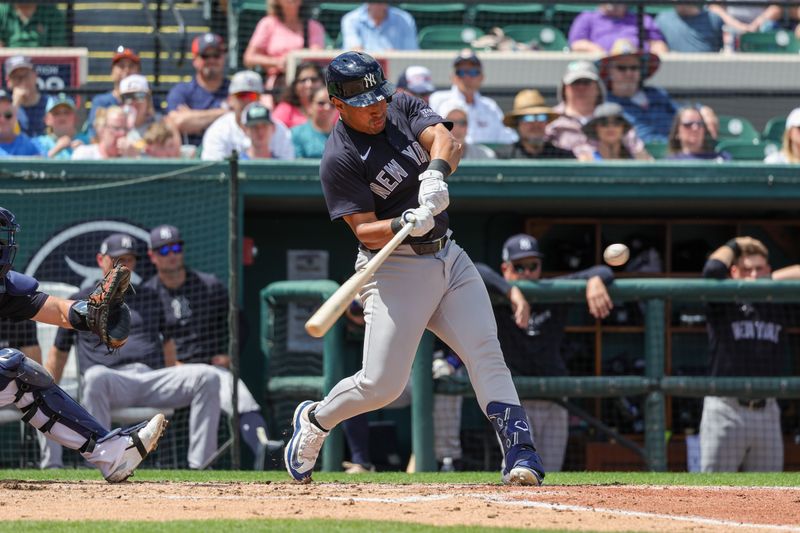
[(45, 405), (521, 464)]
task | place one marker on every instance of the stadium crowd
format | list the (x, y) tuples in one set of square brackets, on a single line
[(259, 114)]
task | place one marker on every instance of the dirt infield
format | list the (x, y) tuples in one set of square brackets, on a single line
[(597, 508)]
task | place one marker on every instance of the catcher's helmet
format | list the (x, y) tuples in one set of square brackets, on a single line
[(358, 80), (8, 245)]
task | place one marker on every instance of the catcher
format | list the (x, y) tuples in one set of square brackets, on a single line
[(27, 385)]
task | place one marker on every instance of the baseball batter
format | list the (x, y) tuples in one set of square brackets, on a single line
[(46, 406), (385, 165)]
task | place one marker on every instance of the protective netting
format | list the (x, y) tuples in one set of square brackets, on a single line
[(63, 223)]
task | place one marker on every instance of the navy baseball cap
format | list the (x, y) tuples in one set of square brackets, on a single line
[(201, 43), (164, 234), (467, 55), (520, 246), (255, 113), (118, 244)]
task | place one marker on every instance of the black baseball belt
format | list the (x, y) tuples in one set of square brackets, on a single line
[(420, 248)]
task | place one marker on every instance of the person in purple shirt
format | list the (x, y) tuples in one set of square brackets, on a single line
[(194, 105), (11, 143), (383, 172), (596, 31)]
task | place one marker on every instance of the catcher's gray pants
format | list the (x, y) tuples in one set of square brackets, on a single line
[(547, 419), (442, 292), (137, 385), (734, 437)]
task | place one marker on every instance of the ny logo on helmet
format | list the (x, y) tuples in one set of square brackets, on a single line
[(370, 81)]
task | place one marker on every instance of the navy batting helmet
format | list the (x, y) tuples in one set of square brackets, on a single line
[(358, 80), (8, 245)]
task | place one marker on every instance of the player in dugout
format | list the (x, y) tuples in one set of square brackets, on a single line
[(27, 385)]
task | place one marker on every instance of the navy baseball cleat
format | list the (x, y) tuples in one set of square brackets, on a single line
[(303, 448), (526, 467)]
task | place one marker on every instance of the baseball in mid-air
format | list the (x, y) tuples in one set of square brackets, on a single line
[(616, 254)]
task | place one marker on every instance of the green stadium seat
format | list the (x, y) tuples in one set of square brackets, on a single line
[(436, 13), (488, 16), (657, 149), (737, 129), (448, 36), (330, 14), (745, 151), (773, 130), (541, 36), (773, 42)]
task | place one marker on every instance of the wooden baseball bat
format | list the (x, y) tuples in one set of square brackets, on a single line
[(330, 311)]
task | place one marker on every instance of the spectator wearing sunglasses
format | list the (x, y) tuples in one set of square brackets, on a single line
[(689, 138), (309, 138), (124, 62), (530, 117), (62, 135), (484, 115), (607, 129), (195, 305), (193, 105), (581, 92), (649, 109), (227, 133), (295, 105), (11, 142), (531, 337)]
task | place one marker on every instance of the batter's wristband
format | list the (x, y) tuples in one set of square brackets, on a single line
[(396, 225), (733, 245), (441, 165)]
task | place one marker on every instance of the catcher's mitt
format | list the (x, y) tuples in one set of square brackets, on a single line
[(107, 315)]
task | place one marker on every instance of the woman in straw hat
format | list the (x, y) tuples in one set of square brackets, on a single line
[(530, 116)]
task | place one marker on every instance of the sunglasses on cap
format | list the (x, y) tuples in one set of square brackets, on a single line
[(137, 97), (530, 266), (538, 117), (247, 96), (468, 72), (175, 248)]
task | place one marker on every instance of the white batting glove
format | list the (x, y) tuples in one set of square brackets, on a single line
[(422, 217), (433, 191)]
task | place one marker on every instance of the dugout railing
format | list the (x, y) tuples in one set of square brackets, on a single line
[(654, 383)]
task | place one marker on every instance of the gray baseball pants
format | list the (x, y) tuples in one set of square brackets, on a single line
[(193, 385), (442, 292), (734, 437)]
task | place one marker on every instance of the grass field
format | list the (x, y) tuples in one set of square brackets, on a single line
[(279, 478)]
